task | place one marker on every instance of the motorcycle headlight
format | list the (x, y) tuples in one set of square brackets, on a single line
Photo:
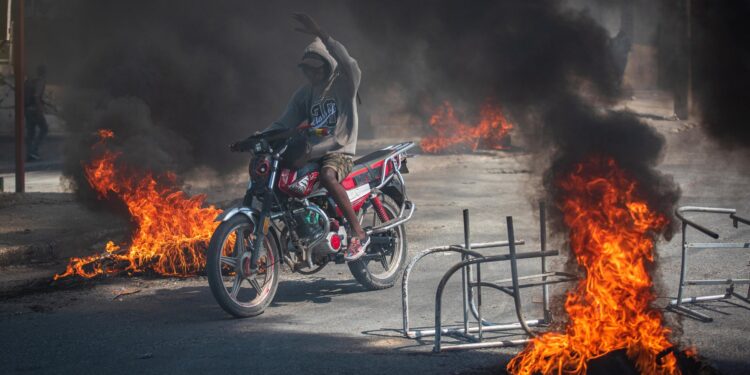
[(259, 167)]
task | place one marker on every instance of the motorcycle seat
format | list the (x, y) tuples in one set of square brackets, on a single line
[(371, 159), (367, 169)]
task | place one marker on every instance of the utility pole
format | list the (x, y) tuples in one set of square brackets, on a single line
[(18, 71)]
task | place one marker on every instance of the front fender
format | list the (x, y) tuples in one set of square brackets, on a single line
[(251, 214)]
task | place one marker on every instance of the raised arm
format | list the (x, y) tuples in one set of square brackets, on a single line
[(347, 64)]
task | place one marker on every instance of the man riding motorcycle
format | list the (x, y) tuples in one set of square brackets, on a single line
[(327, 106)]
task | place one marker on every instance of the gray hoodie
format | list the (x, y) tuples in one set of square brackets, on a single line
[(331, 105)]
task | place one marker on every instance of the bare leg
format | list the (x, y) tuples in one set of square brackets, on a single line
[(331, 183)]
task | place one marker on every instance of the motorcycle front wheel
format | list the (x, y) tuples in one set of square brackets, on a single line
[(228, 268)]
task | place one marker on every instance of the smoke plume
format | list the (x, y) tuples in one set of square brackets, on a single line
[(550, 66), (721, 68), (177, 83)]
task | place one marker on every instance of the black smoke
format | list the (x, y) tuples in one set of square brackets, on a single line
[(720, 41), (176, 81), (553, 69), (523, 54), (582, 132), (193, 76)]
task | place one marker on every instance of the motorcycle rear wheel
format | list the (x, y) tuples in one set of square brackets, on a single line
[(228, 264), (371, 270)]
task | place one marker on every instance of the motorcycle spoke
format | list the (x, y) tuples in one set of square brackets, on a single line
[(384, 261), (230, 261), (239, 242), (236, 287), (254, 282)]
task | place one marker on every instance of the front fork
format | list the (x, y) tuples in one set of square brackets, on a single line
[(264, 219)]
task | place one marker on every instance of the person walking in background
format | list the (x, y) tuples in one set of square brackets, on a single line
[(34, 113)]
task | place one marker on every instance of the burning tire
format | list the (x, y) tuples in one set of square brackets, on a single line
[(383, 263), (229, 255)]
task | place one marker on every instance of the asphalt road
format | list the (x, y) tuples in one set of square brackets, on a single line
[(328, 324)]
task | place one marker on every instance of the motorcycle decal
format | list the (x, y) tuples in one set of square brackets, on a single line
[(358, 192), (350, 181), (305, 184), (299, 188), (324, 114)]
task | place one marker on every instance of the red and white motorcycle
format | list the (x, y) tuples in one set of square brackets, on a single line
[(287, 217)]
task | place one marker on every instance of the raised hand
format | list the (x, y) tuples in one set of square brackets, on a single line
[(309, 26)]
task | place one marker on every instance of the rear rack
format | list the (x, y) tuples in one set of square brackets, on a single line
[(404, 216), (395, 162), (407, 208)]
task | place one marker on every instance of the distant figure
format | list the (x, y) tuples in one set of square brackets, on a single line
[(622, 43), (34, 112)]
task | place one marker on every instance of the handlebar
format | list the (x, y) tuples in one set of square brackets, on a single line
[(283, 149), (260, 142)]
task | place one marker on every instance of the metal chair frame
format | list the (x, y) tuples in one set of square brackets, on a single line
[(471, 305), (677, 305)]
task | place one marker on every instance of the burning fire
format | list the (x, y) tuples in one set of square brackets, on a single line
[(171, 228), (612, 234), (452, 134)]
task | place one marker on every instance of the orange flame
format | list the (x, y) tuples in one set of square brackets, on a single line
[(612, 234), (452, 134), (105, 134), (171, 228)]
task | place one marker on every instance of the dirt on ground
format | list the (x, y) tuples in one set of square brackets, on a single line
[(41, 231)]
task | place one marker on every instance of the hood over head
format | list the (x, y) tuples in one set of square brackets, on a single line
[(318, 48)]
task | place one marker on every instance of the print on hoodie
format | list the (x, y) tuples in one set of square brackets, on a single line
[(323, 114)]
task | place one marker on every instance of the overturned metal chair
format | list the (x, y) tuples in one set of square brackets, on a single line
[(472, 289), (678, 305)]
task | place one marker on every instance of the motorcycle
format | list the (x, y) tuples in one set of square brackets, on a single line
[(286, 217)]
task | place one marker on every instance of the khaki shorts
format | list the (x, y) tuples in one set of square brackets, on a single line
[(341, 163)]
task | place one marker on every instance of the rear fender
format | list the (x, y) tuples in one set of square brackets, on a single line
[(395, 191)]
